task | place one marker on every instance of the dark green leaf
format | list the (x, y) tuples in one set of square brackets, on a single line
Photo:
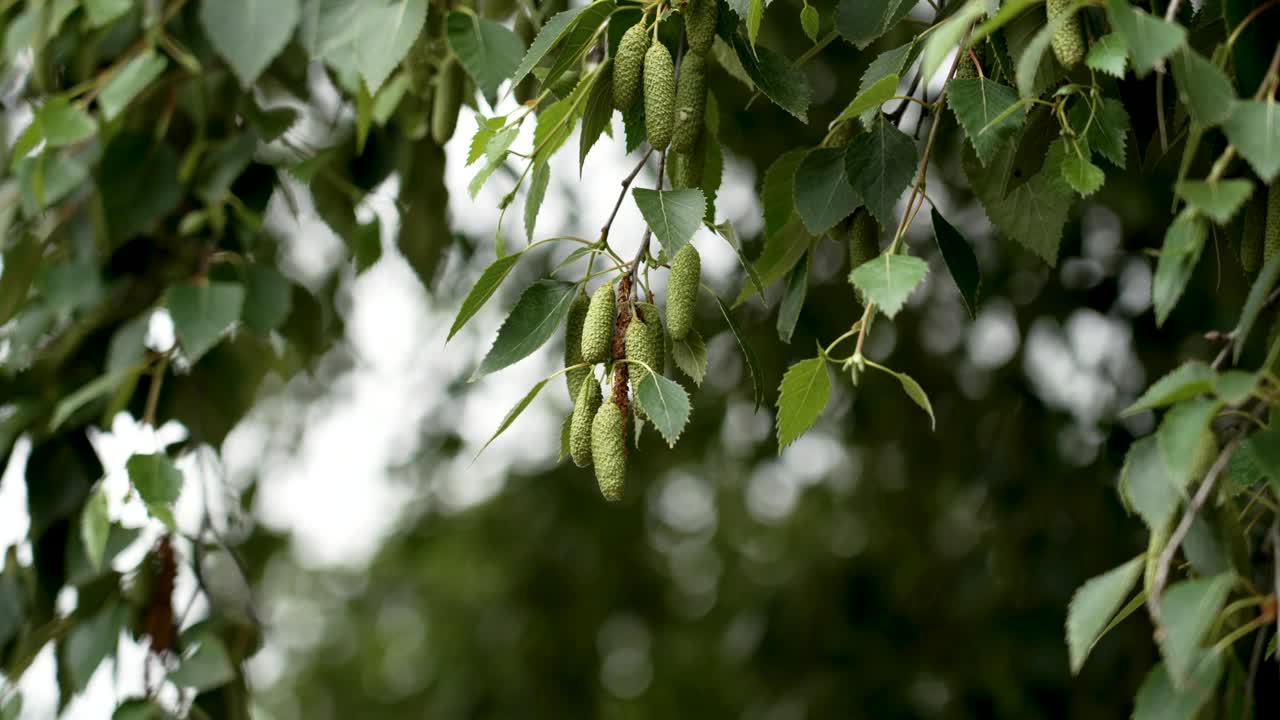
[(960, 260), (666, 404), (547, 37), (21, 263), (1188, 608), (753, 365), (1149, 40), (268, 298), (489, 282), (224, 163), (783, 83), (1258, 293), (537, 192), (155, 478), (793, 300), (91, 641), (1178, 258), (986, 110), (888, 280), (488, 50), (802, 396), (1092, 607), (673, 215), (889, 62), (130, 80), (726, 231), (202, 313), (778, 191), (138, 181), (539, 311), (823, 195), (248, 34), (915, 392), (1203, 87), (57, 123), (880, 164), (1033, 213), (1254, 129), (579, 38), (598, 114), (861, 21)]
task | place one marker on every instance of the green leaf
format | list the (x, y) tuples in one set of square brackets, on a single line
[(889, 62), (384, 35), (1180, 438), (540, 310), (547, 37), (1149, 40), (690, 355), (101, 12), (793, 300), (1183, 243), (961, 262), (1203, 87), (555, 123), (1108, 132), (1092, 607), (486, 128), (666, 404), (489, 282), (753, 365), (366, 245), (726, 231), (1254, 129), (802, 396), (202, 313), (1187, 610), (514, 413), (783, 83), (488, 50), (206, 664), (90, 642), (913, 391), (1147, 486), (90, 391), (95, 526), (1108, 54), (1083, 176), (221, 166), (823, 195), (1188, 380), (1029, 61), (597, 116), (495, 152), (57, 123), (809, 22), (873, 97), (248, 34), (781, 253), (1159, 699), (579, 39), (1253, 304), (1233, 387), (946, 36), (130, 80), (778, 192), (988, 112), (1218, 199), (137, 178), (881, 164), (1264, 447), (12, 606), (888, 280), (268, 298), (673, 215), (21, 263), (157, 481), (755, 13), (862, 21), (533, 201)]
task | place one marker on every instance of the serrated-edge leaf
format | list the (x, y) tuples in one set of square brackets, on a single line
[(915, 392), (1183, 243), (690, 355), (541, 309), (1253, 304), (1148, 39), (1092, 607), (775, 76), (666, 404), (793, 299), (1179, 436), (1218, 199), (547, 37), (673, 215), (888, 280), (1254, 129), (802, 396), (1188, 609), (1145, 483), (753, 365), (489, 51), (726, 231), (514, 413), (961, 262), (880, 92), (988, 112), (880, 165), (1108, 54), (1184, 382), (598, 113), (537, 193)]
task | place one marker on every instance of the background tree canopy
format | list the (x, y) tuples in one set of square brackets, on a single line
[(287, 290)]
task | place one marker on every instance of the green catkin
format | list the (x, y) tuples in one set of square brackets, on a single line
[(597, 328), (1252, 228), (609, 451), (864, 241), (585, 406), (1271, 237), (573, 343), (689, 166), (420, 67), (966, 70), (659, 96), (700, 25), (628, 64), (448, 101), (682, 290), (644, 345), (1068, 41), (691, 101)]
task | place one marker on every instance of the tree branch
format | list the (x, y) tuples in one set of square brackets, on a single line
[(626, 183)]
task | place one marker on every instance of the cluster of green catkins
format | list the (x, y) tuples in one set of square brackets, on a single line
[(598, 426), (673, 114)]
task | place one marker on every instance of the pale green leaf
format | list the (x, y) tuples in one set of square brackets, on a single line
[(802, 396), (537, 193), (913, 391), (989, 113), (489, 282), (1180, 436), (1188, 380), (755, 14), (1203, 87), (514, 413), (1159, 699), (1183, 243), (871, 98), (57, 123), (889, 62), (202, 313), (1187, 610), (690, 355), (385, 34), (157, 482), (888, 280), (90, 391), (95, 526), (495, 152), (1092, 607), (578, 39), (205, 664), (1254, 129), (1149, 40), (665, 403), (101, 12), (488, 51), (1218, 199), (673, 215), (809, 22), (130, 80), (1253, 304), (1233, 387), (248, 34), (1147, 486), (1108, 54)]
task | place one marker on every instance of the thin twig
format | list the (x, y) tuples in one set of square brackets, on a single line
[(648, 234), (626, 183), (1184, 527), (153, 393)]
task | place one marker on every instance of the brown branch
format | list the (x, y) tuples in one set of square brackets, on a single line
[(626, 183)]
